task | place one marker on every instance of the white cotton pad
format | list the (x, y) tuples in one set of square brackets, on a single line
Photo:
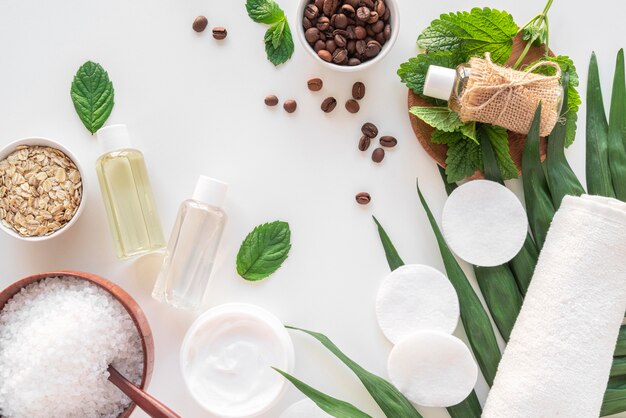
[(432, 368), (484, 223), (413, 298), (305, 408)]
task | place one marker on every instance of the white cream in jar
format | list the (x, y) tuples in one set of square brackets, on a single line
[(227, 358)]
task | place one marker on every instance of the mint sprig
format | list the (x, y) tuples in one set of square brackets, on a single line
[(93, 95), (278, 38)]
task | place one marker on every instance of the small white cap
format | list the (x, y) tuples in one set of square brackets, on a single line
[(439, 82), (113, 138), (210, 191)]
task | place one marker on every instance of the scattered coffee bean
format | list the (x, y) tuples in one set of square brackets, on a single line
[(200, 24), (328, 105), (315, 84), (378, 155), (358, 90), (352, 106), (369, 130), (219, 33), (388, 141), (325, 55), (290, 106), (364, 143), (271, 100), (363, 198)]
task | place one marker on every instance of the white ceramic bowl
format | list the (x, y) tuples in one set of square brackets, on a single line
[(215, 323), (394, 21), (8, 149)]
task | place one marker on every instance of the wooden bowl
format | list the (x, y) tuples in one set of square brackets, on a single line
[(131, 306), (423, 131)]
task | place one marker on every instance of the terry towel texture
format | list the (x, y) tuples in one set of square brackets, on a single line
[(559, 355)]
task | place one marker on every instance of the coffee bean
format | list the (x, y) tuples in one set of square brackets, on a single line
[(363, 13), (325, 55), (340, 56), (348, 10), (323, 23), (328, 105), (352, 106), (340, 41), (319, 4), (319, 45), (369, 130), (290, 106), (387, 31), (341, 22), (364, 143), (315, 84), (373, 18), (219, 33), (312, 35), (373, 48), (387, 15), (353, 61), (363, 198), (378, 155), (306, 23), (358, 91), (367, 3), (330, 6), (380, 38), (353, 3), (360, 47), (388, 141), (311, 11), (271, 100), (378, 27), (200, 24), (360, 32), (380, 7), (351, 47)]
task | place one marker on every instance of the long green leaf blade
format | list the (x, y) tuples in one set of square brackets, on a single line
[(617, 153), (449, 186), (620, 348), (469, 408), (561, 178), (333, 406), (539, 204), (524, 263), (597, 160), (614, 402), (618, 368), (393, 258), (393, 403), (475, 320)]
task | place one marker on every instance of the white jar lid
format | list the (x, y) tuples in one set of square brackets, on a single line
[(439, 82)]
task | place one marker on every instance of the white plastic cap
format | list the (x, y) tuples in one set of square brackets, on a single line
[(439, 82), (113, 138), (210, 191)]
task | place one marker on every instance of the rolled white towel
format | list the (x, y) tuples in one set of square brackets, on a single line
[(558, 358)]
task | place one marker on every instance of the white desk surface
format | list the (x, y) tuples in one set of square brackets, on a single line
[(195, 106)]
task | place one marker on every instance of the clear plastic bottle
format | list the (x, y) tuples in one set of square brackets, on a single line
[(447, 83), (127, 195), (184, 276)]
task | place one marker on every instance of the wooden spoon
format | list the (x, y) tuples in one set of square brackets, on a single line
[(144, 401)]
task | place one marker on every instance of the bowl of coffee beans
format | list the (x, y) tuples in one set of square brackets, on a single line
[(348, 35)]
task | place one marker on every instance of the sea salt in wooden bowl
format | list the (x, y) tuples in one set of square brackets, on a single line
[(45, 142), (129, 304)]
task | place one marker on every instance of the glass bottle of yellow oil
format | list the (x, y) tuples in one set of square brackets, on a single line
[(127, 195)]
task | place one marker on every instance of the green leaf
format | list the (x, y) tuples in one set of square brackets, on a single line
[(537, 196), (413, 72), (393, 258), (620, 348), (472, 34), (617, 120), (469, 131), (475, 320), (573, 100), (561, 178), (614, 402), (597, 161), (499, 139), (332, 406), (279, 43), (463, 159), (93, 95), (440, 118), (469, 408), (264, 250), (450, 187), (393, 403), (264, 11), (442, 137)]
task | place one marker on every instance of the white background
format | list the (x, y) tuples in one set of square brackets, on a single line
[(195, 106)]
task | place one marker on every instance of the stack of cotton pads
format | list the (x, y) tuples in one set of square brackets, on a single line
[(417, 310)]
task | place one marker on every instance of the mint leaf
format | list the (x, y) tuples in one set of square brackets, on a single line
[(264, 250), (499, 140), (469, 130), (573, 97), (441, 137), (472, 34), (279, 43), (264, 11), (93, 95), (463, 159), (441, 118), (413, 72)]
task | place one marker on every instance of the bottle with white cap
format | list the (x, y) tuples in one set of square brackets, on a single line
[(127, 194), (184, 276), (447, 83)]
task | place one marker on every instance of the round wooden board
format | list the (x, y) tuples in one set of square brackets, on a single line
[(423, 131)]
